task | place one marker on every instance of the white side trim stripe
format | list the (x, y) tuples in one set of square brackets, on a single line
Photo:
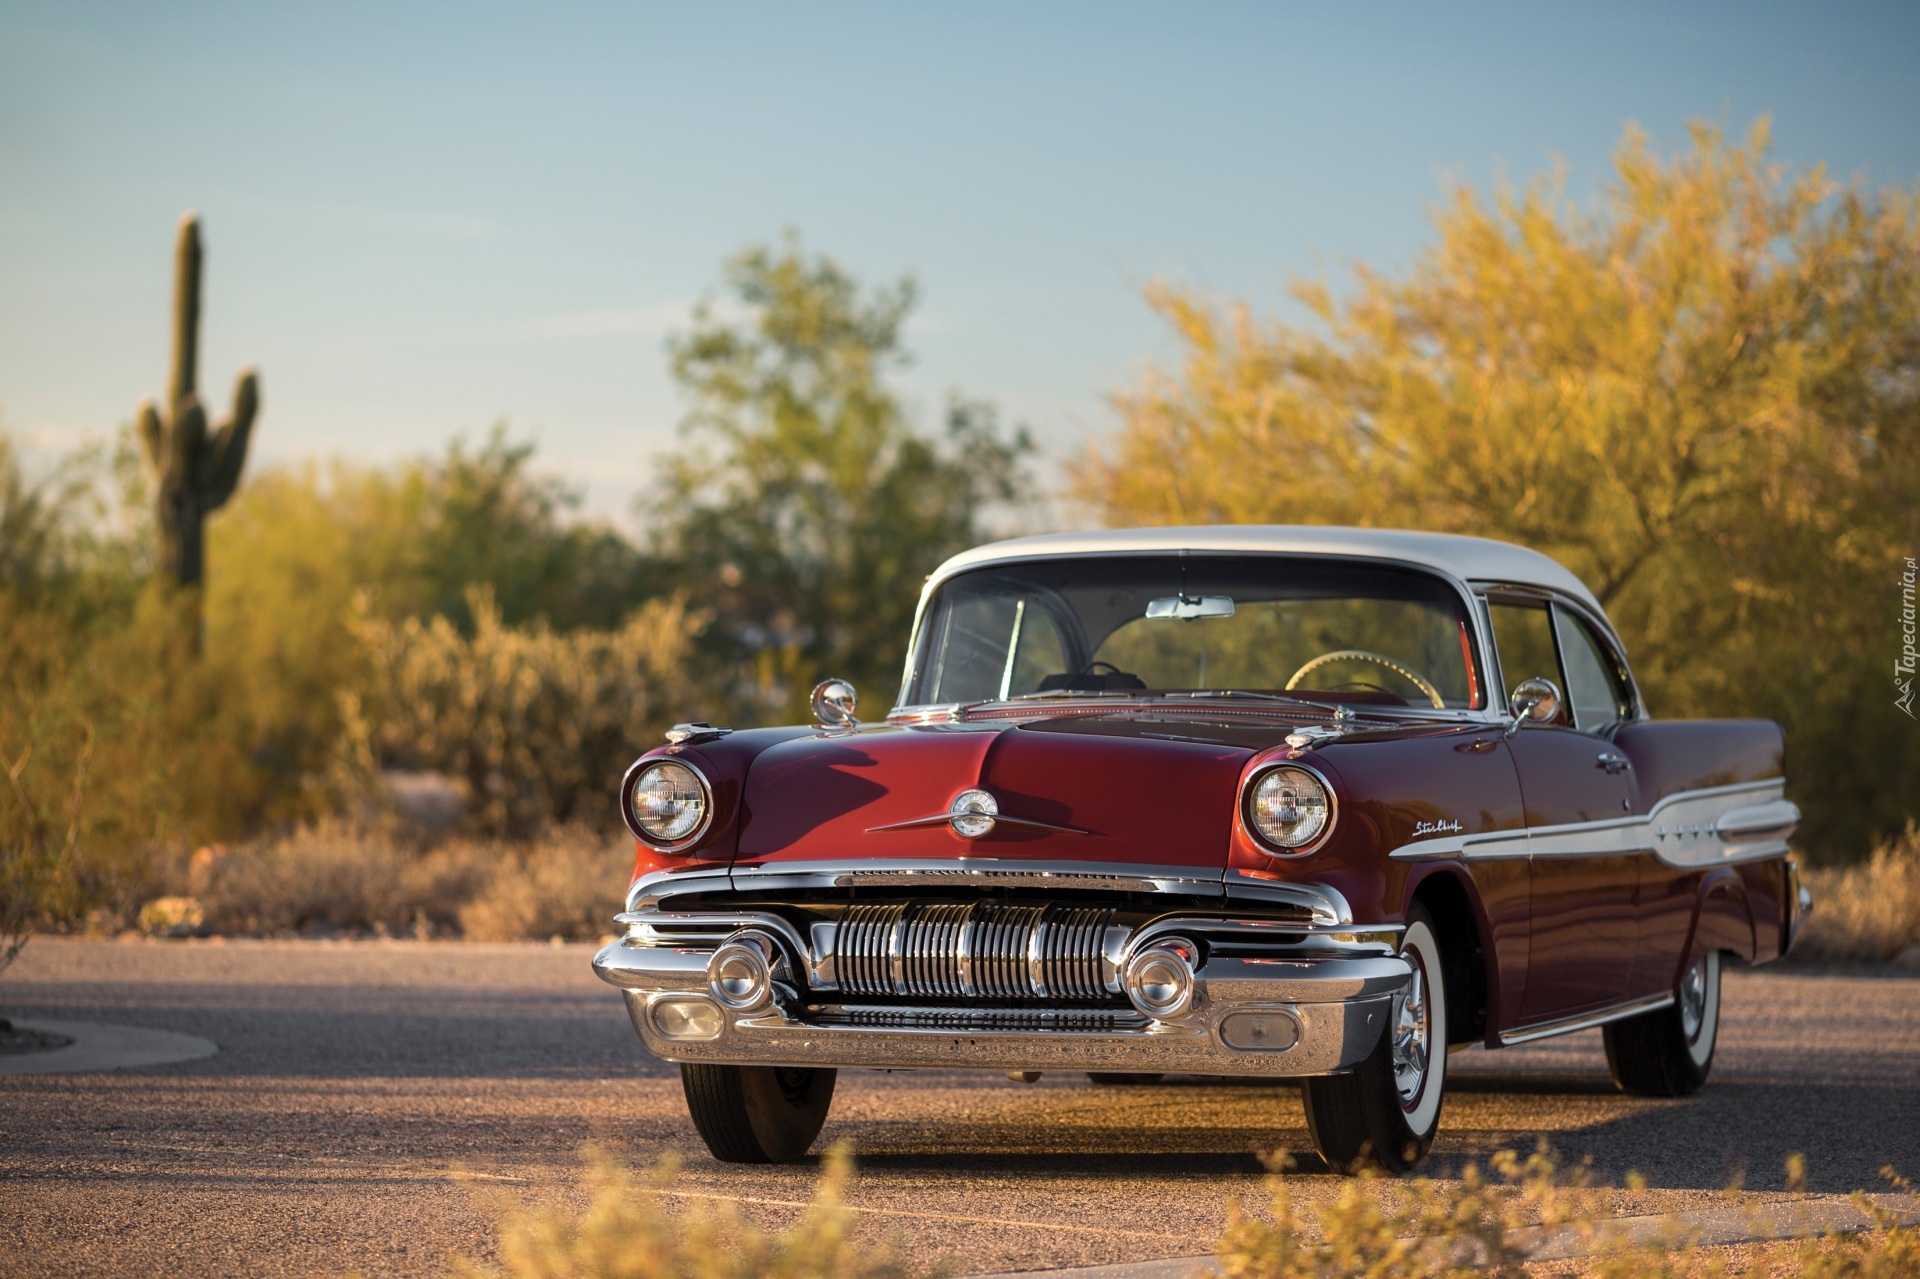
[(1711, 826)]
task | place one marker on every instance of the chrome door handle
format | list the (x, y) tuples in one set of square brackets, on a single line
[(1612, 763)]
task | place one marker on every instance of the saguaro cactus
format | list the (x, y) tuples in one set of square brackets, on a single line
[(195, 472)]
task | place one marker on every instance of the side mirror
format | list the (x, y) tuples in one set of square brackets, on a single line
[(1533, 699), (834, 701)]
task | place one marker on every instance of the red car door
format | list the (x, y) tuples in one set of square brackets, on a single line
[(1583, 855)]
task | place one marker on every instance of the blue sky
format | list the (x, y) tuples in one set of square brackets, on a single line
[(425, 218)]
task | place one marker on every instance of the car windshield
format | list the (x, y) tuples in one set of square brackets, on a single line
[(1317, 629)]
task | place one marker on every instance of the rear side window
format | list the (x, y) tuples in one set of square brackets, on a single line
[(1524, 635), (1593, 684)]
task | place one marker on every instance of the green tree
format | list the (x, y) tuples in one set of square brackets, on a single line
[(1703, 397), (806, 510), (298, 548)]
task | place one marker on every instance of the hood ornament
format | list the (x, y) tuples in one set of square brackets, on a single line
[(974, 814), (1308, 736), (695, 733)]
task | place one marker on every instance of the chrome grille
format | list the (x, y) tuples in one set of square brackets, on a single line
[(978, 950), (981, 1019)]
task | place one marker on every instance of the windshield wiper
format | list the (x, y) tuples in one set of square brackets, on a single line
[(1285, 699), (1064, 692)]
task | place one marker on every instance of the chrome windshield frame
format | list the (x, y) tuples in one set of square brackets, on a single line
[(1470, 602)]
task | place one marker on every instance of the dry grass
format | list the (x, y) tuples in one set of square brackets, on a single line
[(1487, 1225), (1483, 1224), (338, 877), (569, 885), (1868, 913), (627, 1232)]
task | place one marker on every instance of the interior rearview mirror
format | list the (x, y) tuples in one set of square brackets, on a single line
[(1187, 608)]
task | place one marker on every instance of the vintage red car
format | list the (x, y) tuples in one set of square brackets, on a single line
[(1290, 802)]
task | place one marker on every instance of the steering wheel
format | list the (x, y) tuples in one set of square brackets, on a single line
[(1412, 676)]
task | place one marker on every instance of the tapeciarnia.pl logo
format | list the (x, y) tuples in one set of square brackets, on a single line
[(1904, 664)]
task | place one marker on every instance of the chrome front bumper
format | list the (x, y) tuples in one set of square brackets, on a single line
[(1291, 1017)]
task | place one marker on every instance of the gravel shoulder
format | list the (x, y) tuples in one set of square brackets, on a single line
[(371, 1101)]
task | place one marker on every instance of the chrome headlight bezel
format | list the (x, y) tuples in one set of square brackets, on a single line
[(628, 784), (1268, 844)]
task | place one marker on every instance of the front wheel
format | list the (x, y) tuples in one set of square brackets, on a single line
[(1668, 1052), (1383, 1113), (757, 1114)]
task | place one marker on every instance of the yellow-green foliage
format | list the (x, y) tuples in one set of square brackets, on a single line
[(1701, 397), (1481, 1225), (538, 723), (629, 1232), (1890, 1250), (1866, 913)]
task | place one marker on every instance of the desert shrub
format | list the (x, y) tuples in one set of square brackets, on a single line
[(568, 885), (1889, 1250), (347, 877), (538, 723), (337, 875), (1490, 1225), (1868, 913), (627, 1232)]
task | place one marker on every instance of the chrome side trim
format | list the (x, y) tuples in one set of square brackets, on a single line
[(1754, 821), (1706, 827), (657, 886), (1585, 1021), (981, 872), (1271, 932), (693, 930), (1330, 907)]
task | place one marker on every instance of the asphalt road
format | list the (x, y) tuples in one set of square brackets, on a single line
[(370, 1102)]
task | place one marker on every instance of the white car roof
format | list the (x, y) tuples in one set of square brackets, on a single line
[(1470, 559)]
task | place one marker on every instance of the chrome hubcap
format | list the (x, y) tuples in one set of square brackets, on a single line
[(1693, 998), (1410, 1035)]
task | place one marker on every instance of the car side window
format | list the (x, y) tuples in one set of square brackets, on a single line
[(1523, 632), (1593, 685)]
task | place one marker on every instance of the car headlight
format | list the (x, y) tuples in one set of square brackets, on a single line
[(1289, 807), (667, 803)]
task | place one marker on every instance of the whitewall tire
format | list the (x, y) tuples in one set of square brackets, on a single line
[(1383, 1114)]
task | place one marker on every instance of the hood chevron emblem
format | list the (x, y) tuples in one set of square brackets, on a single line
[(974, 814)]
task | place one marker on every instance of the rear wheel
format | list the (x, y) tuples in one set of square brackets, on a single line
[(1668, 1052), (757, 1114), (1383, 1113), (1120, 1078)]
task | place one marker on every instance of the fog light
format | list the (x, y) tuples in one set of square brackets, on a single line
[(1273, 1032), (687, 1019), (739, 974), (1160, 979)]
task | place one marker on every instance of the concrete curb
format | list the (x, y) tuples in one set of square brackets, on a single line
[(1705, 1227), (97, 1047)]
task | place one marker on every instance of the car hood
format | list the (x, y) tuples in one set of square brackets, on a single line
[(1127, 791)]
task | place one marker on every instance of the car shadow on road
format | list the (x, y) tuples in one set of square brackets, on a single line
[(1727, 1134)]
